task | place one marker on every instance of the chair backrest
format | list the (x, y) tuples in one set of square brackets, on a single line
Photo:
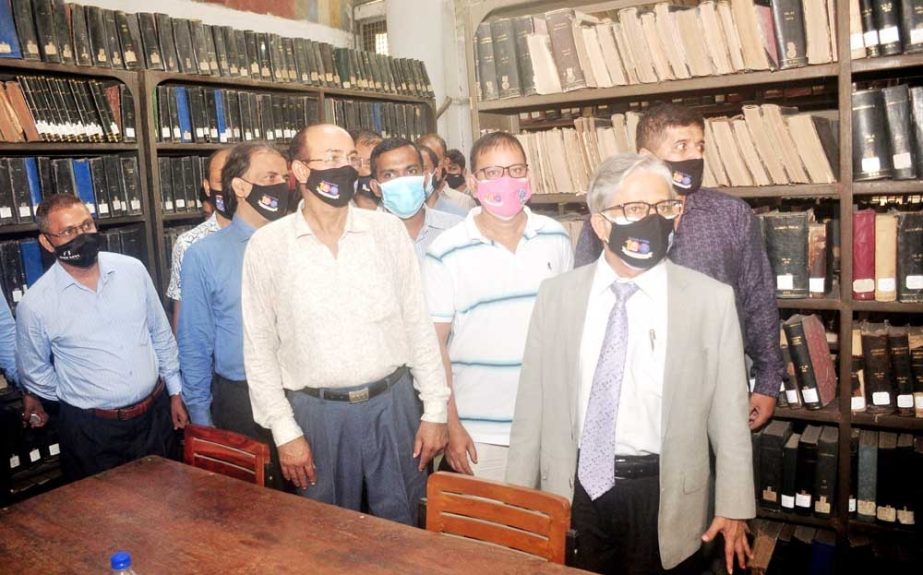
[(227, 453), (519, 518)]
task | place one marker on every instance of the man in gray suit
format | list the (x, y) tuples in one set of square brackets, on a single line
[(633, 367)]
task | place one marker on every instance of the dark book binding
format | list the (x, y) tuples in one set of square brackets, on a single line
[(25, 29), (789, 472), (99, 40), (185, 52), (504, 42), (805, 476), (899, 345), (772, 440), (564, 49), (886, 496), (167, 43), (905, 481), (787, 247), (888, 22), (153, 59), (801, 356), (487, 70), (818, 282), (130, 39), (112, 39), (790, 393), (83, 55), (852, 507), (879, 390), (871, 142), (868, 475), (910, 257), (897, 111), (912, 25), (825, 479), (43, 16)]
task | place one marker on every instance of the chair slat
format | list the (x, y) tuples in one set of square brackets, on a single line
[(494, 533), (226, 452), (496, 511)]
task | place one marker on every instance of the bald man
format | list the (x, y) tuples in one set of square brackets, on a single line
[(220, 218), (318, 285)]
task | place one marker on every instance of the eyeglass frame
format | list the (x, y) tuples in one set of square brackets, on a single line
[(650, 207), (505, 170), (351, 159)]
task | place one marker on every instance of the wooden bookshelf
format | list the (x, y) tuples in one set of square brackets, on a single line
[(827, 414), (63, 147), (787, 517), (886, 63), (824, 303), (890, 421), (887, 187)]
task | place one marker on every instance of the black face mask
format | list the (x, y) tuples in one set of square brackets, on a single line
[(455, 181), (644, 243), (270, 201), (221, 204), (335, 186), (364, 189), (687, 175), (81, 252)]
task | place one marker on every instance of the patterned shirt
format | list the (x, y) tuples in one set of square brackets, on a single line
[(434, 224), (209, 226), (719, 236)]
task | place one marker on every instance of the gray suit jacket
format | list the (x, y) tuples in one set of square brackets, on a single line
[(704, 402)]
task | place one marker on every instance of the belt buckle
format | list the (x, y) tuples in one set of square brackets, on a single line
[(359, 395)]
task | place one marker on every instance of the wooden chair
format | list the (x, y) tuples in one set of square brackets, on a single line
[(519, 518), (227, 453)]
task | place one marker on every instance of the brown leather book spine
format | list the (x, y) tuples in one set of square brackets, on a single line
[(817, 259), (790, 382), (26, 120), (857, 374), (915, 341), (821, 360), (863, 255), (878, 387)]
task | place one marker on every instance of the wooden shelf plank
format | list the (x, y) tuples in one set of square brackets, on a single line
[(887, 421), (640, 90), (878, 528), (883, 306), (828, 414), (865, 65), (105, 222), (210, 147), (69, 147), (36, 67), (810, 303), (809, 520), (887, 187), (183, 217), (793, 191)]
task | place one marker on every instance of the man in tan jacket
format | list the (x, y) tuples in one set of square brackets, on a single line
[(633, 368)]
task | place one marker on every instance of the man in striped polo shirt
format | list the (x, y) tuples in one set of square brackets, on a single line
[(481, 277)]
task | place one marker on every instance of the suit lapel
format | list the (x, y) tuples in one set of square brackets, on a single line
[(575, 319), (678, 306)]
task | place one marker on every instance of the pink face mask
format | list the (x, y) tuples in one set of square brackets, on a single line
[(504, 197)]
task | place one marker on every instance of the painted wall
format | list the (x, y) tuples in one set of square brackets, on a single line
[(333, 13)]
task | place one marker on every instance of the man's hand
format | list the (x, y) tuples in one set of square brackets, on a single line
[(431, 439), (298, 463), (460, 448), (33, 414), (761, 408), (178, 411), (735, 540)]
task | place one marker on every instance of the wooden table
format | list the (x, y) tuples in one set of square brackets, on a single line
[(176, 519)]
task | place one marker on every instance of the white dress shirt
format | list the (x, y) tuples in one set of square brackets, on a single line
[(639, 419)]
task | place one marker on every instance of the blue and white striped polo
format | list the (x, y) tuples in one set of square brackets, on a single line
[(487, 292)]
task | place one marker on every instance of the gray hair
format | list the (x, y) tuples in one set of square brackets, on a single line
[(610, 174)]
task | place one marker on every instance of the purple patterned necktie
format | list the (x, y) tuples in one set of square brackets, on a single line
[(596, 470)]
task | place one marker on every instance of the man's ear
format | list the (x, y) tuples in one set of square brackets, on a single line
[(646, 152), (601, 227), (45, 243), (240, 188), (376, 187), (207, 188), (300, 171), (472, 183)]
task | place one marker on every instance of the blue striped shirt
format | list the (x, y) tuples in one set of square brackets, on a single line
[(96, 349)]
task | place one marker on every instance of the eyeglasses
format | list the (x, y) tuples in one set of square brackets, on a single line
[(634, 211), (72, 231), (496, 172), (337, 159)]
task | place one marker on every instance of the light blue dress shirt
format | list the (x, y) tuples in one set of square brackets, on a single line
[(7, 342), (96, 349), (210, 332)]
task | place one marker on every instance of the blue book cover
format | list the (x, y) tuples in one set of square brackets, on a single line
[(182, 111), (9, 40), (83, 180), (35, 182), (220, 117), (376, 117), (31, 254)]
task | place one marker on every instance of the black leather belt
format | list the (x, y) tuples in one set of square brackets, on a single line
[(636, 466), (360, 393)]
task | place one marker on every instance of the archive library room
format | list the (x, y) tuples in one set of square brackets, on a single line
[(239, 332)]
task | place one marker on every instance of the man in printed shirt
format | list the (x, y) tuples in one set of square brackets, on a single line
[(719, 236)]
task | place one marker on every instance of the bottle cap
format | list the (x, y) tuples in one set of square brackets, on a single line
[(120, 560)]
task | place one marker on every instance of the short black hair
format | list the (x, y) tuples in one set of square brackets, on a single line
[(388, 145), (492, 141), (662, 116), (51, 204), (363, 136), (433, 156), (426, 139), (456, 157), (236, 166)]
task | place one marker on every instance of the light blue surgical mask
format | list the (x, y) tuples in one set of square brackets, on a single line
[(430, 184), (403, 196)]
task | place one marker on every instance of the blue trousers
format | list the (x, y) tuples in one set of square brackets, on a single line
[(367, 443)]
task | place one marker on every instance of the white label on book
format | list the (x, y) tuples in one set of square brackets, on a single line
[(881, 398), (918, 401), (270, 135), (103, 208), (871, 38), (34, 455), (17, 295), (168, 205), (237, 133), (248, 135), (117, 204), (256, 133), (91, 207), (856, 42), (852, 504), (199, 133), (187, 136), (916, 36), (6, 212), (788, 502), (791, 395), (905, 400), (25, 211), (177, 134), (129, 132), (213, 133), (279, 133), (914, 282), (14, 462), (165, 132), (809, 394), (871, 164), (887, 513), (114, 128), (803, 500), (863, 285), (54, 449), (887, 284), (785, 282), (822, 506), (135, 205), (889, 35), (857, 403), (905, 517), (902, 161), (816, 285), (223, 138), (180, 204)]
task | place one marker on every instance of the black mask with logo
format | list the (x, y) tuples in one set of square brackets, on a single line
[(364, 188), (222, 204), (687, 175), (644, 243), (81, 252), (335, 186), (455, 181), (270, 201)]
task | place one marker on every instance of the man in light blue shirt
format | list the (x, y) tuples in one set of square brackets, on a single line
[(210, 333), (7, 342), (92, 334)]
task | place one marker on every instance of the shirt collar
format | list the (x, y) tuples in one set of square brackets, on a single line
[(64, 280), (652, 282), (533, 225), (241, 229), (355, 221)]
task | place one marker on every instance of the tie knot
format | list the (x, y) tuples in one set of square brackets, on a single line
[(624, 290)]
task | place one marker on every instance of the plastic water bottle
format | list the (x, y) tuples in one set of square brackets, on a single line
[(121, 563)]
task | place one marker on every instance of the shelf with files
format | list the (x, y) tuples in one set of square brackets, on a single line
[(887, 307), (887, 63), (192, 148), (824, 303), (808, 520), (890, 421), (13, 67), (190, 217), (878, 528), (887, 187), (827, 414)]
